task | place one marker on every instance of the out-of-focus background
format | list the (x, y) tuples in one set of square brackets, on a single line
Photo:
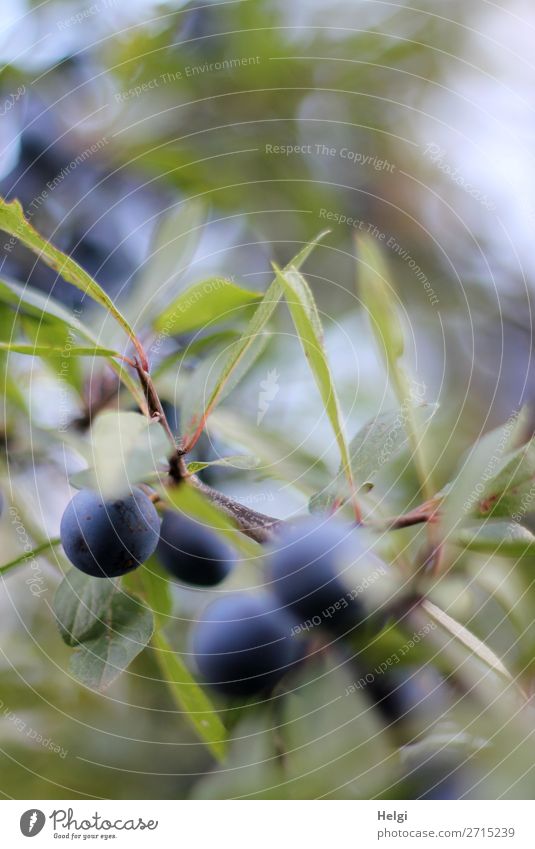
[(255, 124)]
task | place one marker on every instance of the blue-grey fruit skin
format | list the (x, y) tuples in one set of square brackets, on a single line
[(243, 645), (109, 538), (191, 552), (306, 568), (410, 694)]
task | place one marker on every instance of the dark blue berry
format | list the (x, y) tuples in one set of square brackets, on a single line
[(308, 572), (243, 645), (109, 538), (191, 552)]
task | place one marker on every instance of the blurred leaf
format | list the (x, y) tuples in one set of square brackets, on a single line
[(176, 238), (280, 458), (382, 439), (512, 488), (377, 443), (107, 627), (203, 303), (463, 494), (30, 555), (53, 334), (32, 302), (252, 768), (378, 298), (127, 448), (321, 740), (343, 753), (208, 381), (237, 461), (51, 351), (190, 697), (308, 325), (508, 539), (463, 635), (192, 349)]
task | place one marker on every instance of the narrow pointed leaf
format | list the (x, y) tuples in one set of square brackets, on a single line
[(13, 221), (308, 325)]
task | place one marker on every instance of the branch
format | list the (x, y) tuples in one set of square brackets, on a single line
[(258, 526)]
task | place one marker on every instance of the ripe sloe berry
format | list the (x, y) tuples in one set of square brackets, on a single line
[(306, 569), (109, 538), (192, 552), (242, 644)]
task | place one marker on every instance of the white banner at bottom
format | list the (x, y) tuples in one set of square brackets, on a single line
[(263, 825)]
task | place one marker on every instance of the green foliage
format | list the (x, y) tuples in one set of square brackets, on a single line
[(273, 750)]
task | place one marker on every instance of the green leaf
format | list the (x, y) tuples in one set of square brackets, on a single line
[(12, 220), (215, 299), (238, 461), (187, 694), (158, 590), (512, 488), (196, 422), (32, 302), (107, 626), (507, 539), (308, 325), (127, 448), (475, 481), (190, 697), (30, 555)]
